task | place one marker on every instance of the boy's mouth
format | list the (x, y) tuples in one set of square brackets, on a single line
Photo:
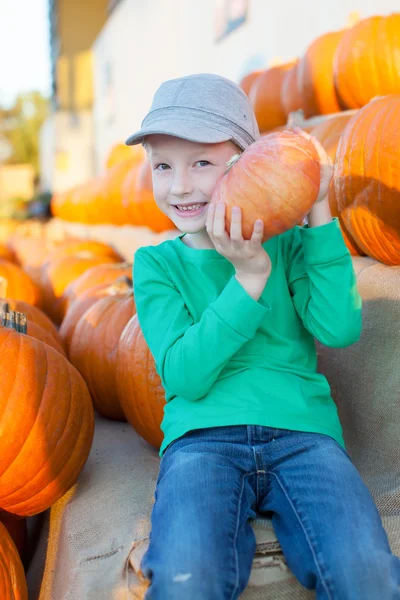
[(189, 210)]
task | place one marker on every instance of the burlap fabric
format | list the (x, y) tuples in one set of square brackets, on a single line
[(95, 536)]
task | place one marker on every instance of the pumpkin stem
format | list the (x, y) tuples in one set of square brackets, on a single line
[(14, 320), (3, 287), (232, 161), (122, 284), (4, 306)]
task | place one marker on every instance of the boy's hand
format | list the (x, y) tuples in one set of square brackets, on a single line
[(251, 261)]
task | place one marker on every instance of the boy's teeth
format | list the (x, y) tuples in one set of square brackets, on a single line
[(191, 207)]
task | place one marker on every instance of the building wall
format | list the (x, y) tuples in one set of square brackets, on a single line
[(146, 42)]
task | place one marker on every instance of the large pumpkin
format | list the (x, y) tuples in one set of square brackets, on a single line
[(140, 391), (19, 285), (367, 61), (265, 96), (93, 349), (117, 212), (46, 424), (77, 309), (291, 98), (328, 132), (98, 275), (12, 577), (32, 313), (18, 530), (70, 247), (6, 253), (315, 76), (275, 179), (367, 185)]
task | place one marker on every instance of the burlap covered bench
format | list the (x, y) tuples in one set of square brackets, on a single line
[(93, 539)]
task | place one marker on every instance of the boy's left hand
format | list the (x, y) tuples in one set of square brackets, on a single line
[(326, 165)]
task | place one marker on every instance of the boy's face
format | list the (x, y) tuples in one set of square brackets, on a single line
[(184, 177)]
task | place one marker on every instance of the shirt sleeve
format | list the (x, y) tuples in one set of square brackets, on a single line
[(323, 285), (190, 356)]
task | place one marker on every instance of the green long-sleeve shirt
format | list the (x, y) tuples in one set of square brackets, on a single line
[(226, 359)]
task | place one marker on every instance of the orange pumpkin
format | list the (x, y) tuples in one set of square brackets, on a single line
[(70, 247), (120, 152), (46, 424), (89, 297), (59, 273), (6, 253), (93, 349), (265, 96), (32, 313), (19, 285), (138, 195), (328, 133), (275, 179), (18, 530), (366, 182), (98, 275), (117, 212), (247, 81), (291, 98), (366, 62), (315, 76), (12, 577), (140, 391)]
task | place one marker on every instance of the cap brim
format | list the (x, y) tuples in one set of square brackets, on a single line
[(190, 131)]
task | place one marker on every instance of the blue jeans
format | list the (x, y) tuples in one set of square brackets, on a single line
[(212, 482)]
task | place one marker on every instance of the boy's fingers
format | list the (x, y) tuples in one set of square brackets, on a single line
[(219, 220), (257, 235), (236, 225), (210, 217)]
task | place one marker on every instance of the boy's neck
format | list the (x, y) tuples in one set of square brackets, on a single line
[(198, 241)]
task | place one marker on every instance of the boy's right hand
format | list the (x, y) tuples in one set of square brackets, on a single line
[(251, 261)]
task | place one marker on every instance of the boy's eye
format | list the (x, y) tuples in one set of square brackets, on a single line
[(203, 163), (161, 167)]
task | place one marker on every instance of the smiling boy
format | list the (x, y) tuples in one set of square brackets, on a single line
[(250, 425)]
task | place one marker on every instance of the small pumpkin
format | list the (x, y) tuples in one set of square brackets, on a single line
[(366, 62), (366, 182), (315, 76), (265, 96), (93, 349), (46, 421), (275, 179), (18, 530), (12, 577), (140, 391), (19, 285)]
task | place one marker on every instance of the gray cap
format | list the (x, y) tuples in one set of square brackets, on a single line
[(202, 108)]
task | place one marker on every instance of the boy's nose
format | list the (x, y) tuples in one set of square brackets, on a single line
[(181, 185)]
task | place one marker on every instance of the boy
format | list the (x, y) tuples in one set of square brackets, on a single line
[(249, 424)]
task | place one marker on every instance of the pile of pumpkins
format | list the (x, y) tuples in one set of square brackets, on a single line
[(352, 77), (69, 342), (122, 195)]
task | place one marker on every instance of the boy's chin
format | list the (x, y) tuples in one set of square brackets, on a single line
[(185, 226)]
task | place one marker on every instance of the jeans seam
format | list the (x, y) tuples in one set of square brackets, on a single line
[(235, 537), (324, 582)]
